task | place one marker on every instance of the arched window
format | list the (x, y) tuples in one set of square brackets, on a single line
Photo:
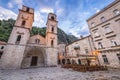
[(68, 61), (18, 39), (23, 23), (73, 61), (63, 61), (103, 19), (100, 45), (52, 43), (52, 17), (79, 61), (27, 9), (37, 41), (1, 53), (52, 29)]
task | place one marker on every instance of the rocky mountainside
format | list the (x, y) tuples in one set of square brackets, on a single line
[(7, 25)]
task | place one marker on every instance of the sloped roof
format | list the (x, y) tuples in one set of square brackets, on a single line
[(2, 43)]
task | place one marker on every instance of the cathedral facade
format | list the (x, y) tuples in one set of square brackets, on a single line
[(23, 50)]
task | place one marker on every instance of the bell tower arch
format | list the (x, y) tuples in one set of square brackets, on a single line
[(19, 36)]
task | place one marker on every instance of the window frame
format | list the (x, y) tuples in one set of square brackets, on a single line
[(52, 43), (116, 12), (93, 24), (27, 9), (96, 34), (100, 46), (18, 39), (113, 42), (118, 56), (105, 59), (52, 29), (102, 19), (107, 29), (1, 53), (52, 18), (23, 23), (37, 41), (86, 51)]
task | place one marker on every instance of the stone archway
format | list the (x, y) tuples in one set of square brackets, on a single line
[(34, 57)]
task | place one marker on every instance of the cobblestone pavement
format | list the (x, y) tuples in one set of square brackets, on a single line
[(57, 73)]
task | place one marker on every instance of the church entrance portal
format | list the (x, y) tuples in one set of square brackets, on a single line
[(34, 57), (34, 61)]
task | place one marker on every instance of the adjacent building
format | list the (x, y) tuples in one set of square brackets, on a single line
[(80, 51), (104, 27)]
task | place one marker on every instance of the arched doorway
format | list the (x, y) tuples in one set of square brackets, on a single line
[(79, 61), (68, 61), (33, 57), (63, 61)]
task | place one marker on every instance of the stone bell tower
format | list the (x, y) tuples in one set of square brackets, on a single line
[(19, 36), (51, 40)]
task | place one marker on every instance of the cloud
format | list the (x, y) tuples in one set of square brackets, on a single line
[(46, 10), (74, 32), (79, 30), (38, 19), (97, 10), (6, 14), (75, 23), (59, 11), (12, 3), (57, 2)]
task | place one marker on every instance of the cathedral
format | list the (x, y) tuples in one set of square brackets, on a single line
[(25, 51)]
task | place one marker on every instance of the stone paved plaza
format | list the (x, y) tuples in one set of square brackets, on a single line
[(57, 73)]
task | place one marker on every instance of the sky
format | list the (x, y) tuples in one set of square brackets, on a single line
[(71, 14)]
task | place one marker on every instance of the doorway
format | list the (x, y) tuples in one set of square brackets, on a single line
[(34, 61)]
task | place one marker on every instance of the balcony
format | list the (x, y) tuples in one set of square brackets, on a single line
[(77, 47)]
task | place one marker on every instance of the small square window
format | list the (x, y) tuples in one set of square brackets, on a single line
[(96, 34), (108, 29), (103, 19), (116, 12), (92, 24)]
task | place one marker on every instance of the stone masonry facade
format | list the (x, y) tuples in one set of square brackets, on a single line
[(23, 50)]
